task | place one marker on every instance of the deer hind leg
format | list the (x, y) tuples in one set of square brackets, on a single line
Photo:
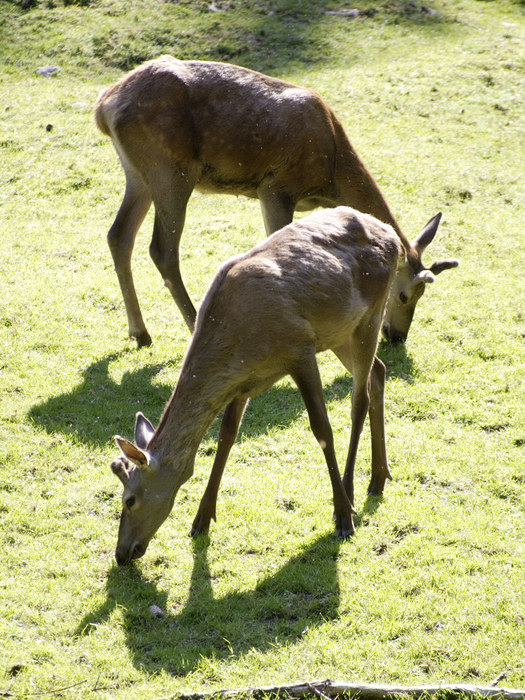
[(231, 420), (171, 198), (308, 380), (121, 238)]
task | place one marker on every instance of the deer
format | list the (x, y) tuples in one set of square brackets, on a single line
[(180, 126), (320, 283)]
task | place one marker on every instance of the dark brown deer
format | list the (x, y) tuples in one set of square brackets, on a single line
[(318, 284), (214, 127)]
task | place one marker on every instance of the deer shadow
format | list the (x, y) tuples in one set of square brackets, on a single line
[(398, 362), (302, 594), (99, 406)]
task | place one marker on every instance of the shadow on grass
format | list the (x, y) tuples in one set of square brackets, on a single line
[(99, 407), (295, 31), (263, 35), (370, 506), (398, 363), (303, 594)]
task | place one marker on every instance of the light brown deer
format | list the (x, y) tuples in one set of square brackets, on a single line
[(214, 127), (319, 283)]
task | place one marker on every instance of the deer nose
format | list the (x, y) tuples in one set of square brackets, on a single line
[(121, 557), (392, 335), (124, 557), (138, 550)]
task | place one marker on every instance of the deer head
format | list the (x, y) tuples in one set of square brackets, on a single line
[(410, 282), (148, 495)]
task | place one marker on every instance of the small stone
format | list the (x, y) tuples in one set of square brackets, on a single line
[(344, 12), (155, 611), (48, 71)]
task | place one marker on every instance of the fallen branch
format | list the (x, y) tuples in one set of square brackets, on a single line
[(52, 691), (332, 689)]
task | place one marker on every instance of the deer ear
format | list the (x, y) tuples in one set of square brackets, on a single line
[(132, 452), (428, 233), (144, 431), (438, 267)]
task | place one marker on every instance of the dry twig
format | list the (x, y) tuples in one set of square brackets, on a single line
[(332, 689)]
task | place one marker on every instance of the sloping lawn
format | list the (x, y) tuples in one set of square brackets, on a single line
[(432, 586)]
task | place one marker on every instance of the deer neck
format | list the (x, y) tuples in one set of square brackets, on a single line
[(191, 410), (357, 187)]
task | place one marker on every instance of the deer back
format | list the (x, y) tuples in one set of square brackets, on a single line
[(312, 282), (241, 127)]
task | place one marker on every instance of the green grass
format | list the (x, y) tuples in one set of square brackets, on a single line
[(431, 588)]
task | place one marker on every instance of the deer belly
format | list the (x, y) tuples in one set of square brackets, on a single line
[(213, 182)]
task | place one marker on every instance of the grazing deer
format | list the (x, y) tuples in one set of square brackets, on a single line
[(214, 127), (320, 283)]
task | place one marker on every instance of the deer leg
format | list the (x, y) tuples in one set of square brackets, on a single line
[(121, 238), (308, 380), (358, 360), (376, 411), (170, 211), (231, 420), (277, 209)]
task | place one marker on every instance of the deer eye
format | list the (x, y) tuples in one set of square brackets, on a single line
[(403, 298), (129, 502)]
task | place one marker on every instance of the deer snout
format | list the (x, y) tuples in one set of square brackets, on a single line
[(125, 556), (393, 336)]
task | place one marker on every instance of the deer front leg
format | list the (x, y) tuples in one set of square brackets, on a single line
[(359, 411), (121, 238), (308, 380), (277, 209), (231, 420), (376, 411), (358, 358)]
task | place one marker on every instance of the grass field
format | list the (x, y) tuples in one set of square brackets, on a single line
[(432, 586)]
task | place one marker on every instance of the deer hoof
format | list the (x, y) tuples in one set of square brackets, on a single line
[(344, 526), (377, 486), (200, 526), (196, 532), (143, 339)]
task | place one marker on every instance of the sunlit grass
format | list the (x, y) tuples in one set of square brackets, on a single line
[(431, 587)]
